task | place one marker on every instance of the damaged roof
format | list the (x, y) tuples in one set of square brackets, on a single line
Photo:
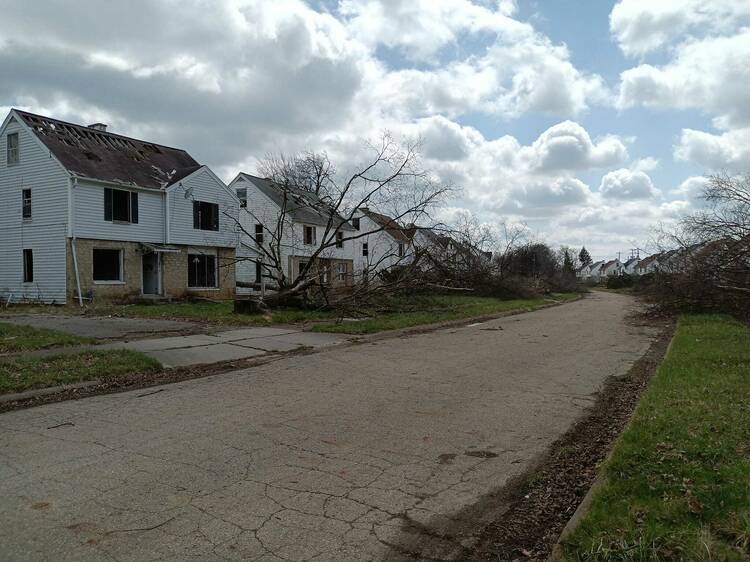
[(389, 225), (303, 206), (91, 153)]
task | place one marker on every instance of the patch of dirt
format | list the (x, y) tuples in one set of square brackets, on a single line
[(523, 520)]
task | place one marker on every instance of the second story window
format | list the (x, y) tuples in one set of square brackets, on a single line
[(339, 239), (120, 205), (309, 235), (205, 215), (401, 249), (355, 223), (259, 234), (12, 149), (242, 196), (26, 204), (365, 249)]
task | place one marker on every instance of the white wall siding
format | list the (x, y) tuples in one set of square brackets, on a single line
[(202, 186), (45, 232), (88, 215), (382, 248)]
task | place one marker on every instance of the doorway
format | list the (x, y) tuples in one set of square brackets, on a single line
[(151, 274)]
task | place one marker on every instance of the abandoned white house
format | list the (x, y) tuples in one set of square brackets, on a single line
[(383, 245), (91, 214), (281, 228)]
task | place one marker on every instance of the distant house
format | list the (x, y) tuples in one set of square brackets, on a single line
[(630, 266), (648, 265), (611, 268), (584, 272), (384, 244), (293, 223), (93, 215), (595, 271)]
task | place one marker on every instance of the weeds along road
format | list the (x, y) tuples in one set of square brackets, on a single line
[(357, 453)]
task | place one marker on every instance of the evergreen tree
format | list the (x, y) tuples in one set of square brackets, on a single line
[(584, 257)]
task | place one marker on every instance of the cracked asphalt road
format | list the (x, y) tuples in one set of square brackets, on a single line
[(356, 453)]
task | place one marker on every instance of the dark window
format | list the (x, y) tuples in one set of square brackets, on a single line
[(201, 271), (302, 266), (205, 216), (401, 249), (242, 196), (259, 234), (309, 235), (26, 203), (339, 239), (258, 272), (120, 205), (107, 265), (355, 223), (12, 149), (28, 266), (365, 250)]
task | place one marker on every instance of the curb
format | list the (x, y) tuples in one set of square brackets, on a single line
[(35, 393)]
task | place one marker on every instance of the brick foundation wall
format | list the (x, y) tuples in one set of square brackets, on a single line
[(174, 273)]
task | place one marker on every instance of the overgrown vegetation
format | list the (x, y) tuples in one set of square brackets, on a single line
[(24, 373), (419, 310), (677, 483), (15, 338)]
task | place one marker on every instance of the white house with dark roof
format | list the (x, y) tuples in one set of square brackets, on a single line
[(282, 227), (89, 214), (384, 244)]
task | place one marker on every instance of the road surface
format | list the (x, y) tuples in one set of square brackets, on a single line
[(356, 453)]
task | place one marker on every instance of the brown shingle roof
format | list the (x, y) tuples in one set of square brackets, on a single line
[(99, 155), (389, 225)]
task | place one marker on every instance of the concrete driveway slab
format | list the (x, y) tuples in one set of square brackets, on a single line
[(348, 454), (203, 354)]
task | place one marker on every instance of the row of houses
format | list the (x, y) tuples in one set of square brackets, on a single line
[(603, 269), (89, 214)]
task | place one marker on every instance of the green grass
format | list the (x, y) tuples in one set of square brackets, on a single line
[(677, 486), (15, 338), (215, 312), (19, 374), (420, 310)]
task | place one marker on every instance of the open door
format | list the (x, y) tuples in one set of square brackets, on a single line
[(151, 274)]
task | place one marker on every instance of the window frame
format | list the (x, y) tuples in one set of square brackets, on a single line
[(198, 216), (313, 239), (258, 272), (356, 223), (28, 265), (339, 239), (342, 271), (259, 234), (26, 204), (15, 151), (215, 259), (120, 267), (243, 197), (109, 205), (365, 249), (401, 249)]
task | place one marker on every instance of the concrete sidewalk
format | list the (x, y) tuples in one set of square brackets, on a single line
[(198, 349)]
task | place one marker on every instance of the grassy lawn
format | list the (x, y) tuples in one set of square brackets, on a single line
[(678, 484), (216, 312), (419, 310), (25, 373), (15, 338)]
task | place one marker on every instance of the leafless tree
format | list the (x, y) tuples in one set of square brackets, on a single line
[(392, 180)]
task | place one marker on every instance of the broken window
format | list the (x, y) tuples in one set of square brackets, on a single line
[(205, 215), (107, 265), (26, 205), (202, 271), (259, 234), (309, 235), (242, 196), (341, 271), (12, 149), (365, 249), (120, 205), (339, 239), (28, 266)]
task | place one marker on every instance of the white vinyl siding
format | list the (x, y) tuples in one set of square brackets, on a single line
[(88, 206), (202, 186), (45, 235)]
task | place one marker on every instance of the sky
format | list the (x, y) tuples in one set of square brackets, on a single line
[(590, 121)]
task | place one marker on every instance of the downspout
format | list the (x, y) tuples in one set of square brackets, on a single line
[(71, 225)]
